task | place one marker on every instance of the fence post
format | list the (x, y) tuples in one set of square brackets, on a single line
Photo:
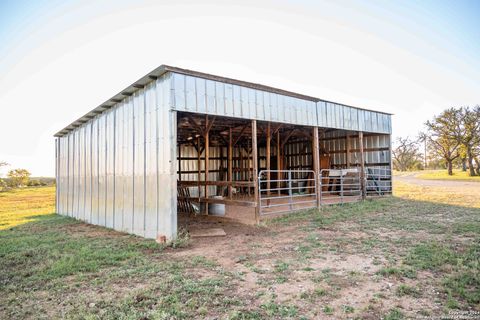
[(290, 199), (341, 186), (362, 165)]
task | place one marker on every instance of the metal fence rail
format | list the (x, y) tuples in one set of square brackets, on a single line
[(378, 181), (340, 186), (286, 190)]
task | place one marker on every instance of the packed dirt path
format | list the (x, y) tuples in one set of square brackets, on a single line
[(455, 184)]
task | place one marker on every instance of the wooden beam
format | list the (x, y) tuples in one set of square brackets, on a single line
[(240, 203), (269, 138), (199, 154), (194, 124), (347, 151), (279, 162), (179, 163), (316, 161), (240, 135), (289, 135), (362, 164), (209, 124), (216, 183), (230, 162), (255, 169), (207, 155), (277, 129)]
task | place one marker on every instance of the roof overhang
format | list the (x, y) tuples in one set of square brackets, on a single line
[(158, 72)]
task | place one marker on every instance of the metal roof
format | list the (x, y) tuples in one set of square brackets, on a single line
[(142, 82)]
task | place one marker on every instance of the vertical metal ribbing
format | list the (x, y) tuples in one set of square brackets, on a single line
[(98, 171), (91, 169), (73, 173), (156, 157), (84, 130), (114, 159), (57, 147), (106, 167), (144, 161), (133, 165)]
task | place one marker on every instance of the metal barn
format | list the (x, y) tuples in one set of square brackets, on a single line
[(183, 143)]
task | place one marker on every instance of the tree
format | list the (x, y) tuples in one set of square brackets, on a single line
[(406, 155), (18, 177), (470, 134), (443, 134)]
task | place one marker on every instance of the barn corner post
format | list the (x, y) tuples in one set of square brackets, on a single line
[(316, 164), (362, 165), (268, 155), (255, 170)]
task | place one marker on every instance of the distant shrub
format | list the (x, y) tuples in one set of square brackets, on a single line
[(36, 183), (3, 185)]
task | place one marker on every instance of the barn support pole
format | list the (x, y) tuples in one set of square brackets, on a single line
[(229, 164), (362, 164), (207, 158), (179, 162), (255, 170), (316, 163), (348, 147), (268, 151), (279, 162), (199, 174)]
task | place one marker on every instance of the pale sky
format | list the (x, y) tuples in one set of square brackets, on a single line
[(60, 59)]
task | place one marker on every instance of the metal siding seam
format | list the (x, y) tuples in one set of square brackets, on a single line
[(84, 130), (56, 174), (91, 170), (105, 136), (145, 162), (113, 161), (133, 167), (156, 152)]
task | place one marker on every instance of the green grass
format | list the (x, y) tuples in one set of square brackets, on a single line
[(443, 175), (291, 267), (25, 205)]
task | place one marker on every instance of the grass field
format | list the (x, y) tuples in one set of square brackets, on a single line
[(415, 254), (443, 175)]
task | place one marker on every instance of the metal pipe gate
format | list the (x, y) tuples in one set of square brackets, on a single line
[(290, 190)]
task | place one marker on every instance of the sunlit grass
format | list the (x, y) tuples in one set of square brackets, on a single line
[(443, 175), (460, 195), (24, 205)]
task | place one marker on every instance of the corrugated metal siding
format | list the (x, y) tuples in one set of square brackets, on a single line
[(117, 170), (199, 95), (335, 143)]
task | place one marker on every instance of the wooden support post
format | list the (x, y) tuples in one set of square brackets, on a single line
[(229, 164), (179, 162), (199, 155), (269, 138), (316, 163), (207, 158), (279, 162), (348, 147), (362, 164), (255, 169)]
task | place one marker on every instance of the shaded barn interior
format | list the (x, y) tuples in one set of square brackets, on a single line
[(221, 160)]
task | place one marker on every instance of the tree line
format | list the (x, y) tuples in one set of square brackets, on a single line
[(450, 139), (18, 178)]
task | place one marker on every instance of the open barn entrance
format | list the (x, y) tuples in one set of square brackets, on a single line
[(246, 170), (243, 169)]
